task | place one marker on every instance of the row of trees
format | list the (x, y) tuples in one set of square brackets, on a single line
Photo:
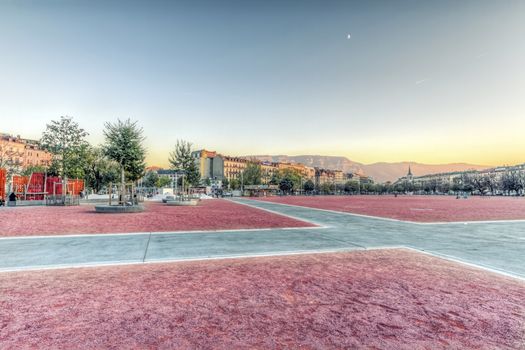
[(182, 161), (509, 182), (120, 158), (291, 180)]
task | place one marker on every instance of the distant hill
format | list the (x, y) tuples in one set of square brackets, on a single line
[(380, 172)]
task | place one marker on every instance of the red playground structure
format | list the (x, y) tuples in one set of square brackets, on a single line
[(3, 178), (39, 186)]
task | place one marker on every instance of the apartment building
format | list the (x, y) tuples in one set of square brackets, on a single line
[(22, 152), (213, 165)]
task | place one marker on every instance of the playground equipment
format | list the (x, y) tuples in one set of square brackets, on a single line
[(128, 202), (3, 178), (52, 189), (130, 196)]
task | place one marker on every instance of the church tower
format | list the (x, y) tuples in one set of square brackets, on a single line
[(410, 177)]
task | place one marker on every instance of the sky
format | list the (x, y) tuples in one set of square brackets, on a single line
[(426, 81)]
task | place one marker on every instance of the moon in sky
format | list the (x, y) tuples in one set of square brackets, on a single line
[(348, 36)]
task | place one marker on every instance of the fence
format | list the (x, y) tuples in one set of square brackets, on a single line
[(62, 200)]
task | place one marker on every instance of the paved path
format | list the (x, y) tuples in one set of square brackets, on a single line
[(496, 246)]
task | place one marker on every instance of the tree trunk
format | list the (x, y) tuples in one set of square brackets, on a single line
[(122, 186)]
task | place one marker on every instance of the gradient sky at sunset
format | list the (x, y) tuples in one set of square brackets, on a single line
[(432, 82)]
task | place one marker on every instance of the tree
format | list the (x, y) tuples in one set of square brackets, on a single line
[(308, 186), (339, 187), (380, 188), (33, 169), (445, 187), (292, 175), (286, 185), (478, 183), (225, 183), (457, 186), (181, 159), (100, 171), (235, 184), (252, 174), (9, 158), (512, 181), (351, 187), (124, 145), (65, 140), (275, 179), (491, 182), (466, 183), (150, 179), (327, 187), (163, 181), (367, 187)]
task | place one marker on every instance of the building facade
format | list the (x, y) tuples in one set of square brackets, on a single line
[(215, 166), (211, 164), (445, 182), (22, 152)]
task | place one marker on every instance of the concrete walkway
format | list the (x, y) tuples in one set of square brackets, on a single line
[(496, 246)]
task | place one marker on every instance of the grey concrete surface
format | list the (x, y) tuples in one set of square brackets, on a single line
[(497, 246)]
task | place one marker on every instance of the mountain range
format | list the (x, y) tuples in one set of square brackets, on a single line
[(380, 172)]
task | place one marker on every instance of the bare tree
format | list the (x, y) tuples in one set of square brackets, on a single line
[(491, 182), (9, 158), (479, 183)]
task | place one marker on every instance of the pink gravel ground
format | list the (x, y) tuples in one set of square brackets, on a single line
[(383, 299), (213, 214), (416, 208)]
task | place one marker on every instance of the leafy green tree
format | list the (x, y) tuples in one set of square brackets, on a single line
[(252, 174), (150, 179), (99, 171), (225, 183), (308, 186), (235, 184), (66, 141), (327, 187), (351, 187), (367, 187), (163, 181), (381, 188), (33, 169), (123, 145), (286, 185), (292, 175), (181, 159), (275, 179)]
